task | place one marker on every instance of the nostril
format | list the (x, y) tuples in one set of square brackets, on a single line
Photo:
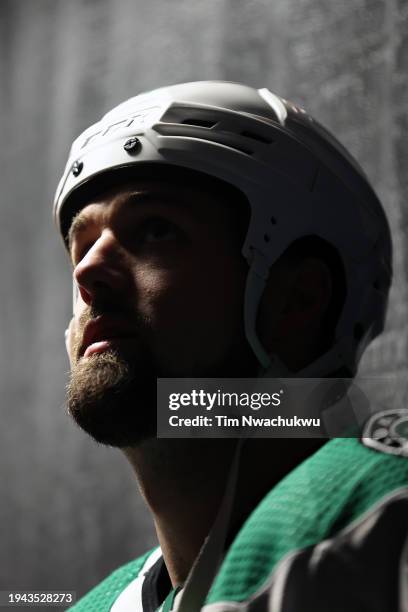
[(98, 279), (93, 290), (85, 295)]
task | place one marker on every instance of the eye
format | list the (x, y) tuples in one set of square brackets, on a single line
[(78, 252), (157, 229)]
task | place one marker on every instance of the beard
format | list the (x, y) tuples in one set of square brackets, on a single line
[(112, 395), (111, 401)]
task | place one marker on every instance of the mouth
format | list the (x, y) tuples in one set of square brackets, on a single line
[(105, 345), (104, 333)]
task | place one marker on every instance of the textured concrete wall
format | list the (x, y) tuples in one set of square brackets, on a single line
[(69, 510)]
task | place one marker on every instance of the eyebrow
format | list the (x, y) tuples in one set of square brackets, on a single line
[(79, 223), (80, 220)]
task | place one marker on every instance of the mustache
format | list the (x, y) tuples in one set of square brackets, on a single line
[(122, 312), (114, 309)]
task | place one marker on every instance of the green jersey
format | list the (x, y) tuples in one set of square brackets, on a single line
[(332, 535)]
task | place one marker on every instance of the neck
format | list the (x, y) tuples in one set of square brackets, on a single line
[(183, 482)]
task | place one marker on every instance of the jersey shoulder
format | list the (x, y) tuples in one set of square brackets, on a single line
[(104, 594), (324, 495)]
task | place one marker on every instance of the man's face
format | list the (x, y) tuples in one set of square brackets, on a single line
[(161, 283)]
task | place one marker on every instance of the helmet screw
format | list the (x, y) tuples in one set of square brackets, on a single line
[(132, 145), (77, 168)]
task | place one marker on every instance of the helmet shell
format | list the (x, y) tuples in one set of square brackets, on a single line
[(299, 181)]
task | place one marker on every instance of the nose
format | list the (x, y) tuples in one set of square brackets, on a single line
[(103, 271)]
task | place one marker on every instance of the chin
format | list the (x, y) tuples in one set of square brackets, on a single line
[(110, 403)]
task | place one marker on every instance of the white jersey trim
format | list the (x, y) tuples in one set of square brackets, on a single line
[(130, 599)]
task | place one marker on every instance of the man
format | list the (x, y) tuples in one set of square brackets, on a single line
[(216, 230)]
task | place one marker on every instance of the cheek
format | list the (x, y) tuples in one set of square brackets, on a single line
[(196, 312)]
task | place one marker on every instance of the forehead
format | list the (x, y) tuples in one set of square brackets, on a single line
[(147, 192), (200, 200)]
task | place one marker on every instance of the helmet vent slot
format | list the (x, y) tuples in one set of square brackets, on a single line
[(199, 122), (258, 137)]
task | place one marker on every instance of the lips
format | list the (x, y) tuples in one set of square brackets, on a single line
[(102, 333)]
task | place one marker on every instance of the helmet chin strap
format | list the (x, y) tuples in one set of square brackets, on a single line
[(67, 331), (210, 556)]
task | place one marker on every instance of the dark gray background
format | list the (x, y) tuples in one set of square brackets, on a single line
[(70, 511)]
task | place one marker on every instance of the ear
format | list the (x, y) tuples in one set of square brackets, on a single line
[(308, 297)]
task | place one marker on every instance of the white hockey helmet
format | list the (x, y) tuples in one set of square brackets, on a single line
[(298, 179)]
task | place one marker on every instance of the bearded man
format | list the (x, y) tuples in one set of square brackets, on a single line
[(218, 231)]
